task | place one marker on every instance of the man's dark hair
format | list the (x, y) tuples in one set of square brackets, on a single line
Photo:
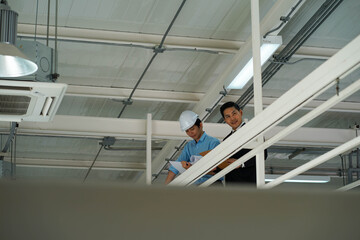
[(197, 123), (228, 105)]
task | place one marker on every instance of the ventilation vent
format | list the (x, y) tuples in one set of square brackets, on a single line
[(13, 105), (29, 101)]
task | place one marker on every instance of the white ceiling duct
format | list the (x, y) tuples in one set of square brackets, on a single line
[(30, 101)]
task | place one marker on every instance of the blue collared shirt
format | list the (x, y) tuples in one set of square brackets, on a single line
[(205, 143)]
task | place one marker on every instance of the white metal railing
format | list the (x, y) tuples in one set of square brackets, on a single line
[(322, 78), (313, 163), (292, 127), (349, 186)]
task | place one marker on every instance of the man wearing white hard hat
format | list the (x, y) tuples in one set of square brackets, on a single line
[(192, 125)]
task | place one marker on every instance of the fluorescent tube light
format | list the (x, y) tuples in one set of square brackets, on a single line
[(268, 47), (300, 179)]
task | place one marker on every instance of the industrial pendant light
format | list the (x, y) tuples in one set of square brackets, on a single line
[(13, 63)]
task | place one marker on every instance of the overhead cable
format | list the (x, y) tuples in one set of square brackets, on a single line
[(284, 19), (157, 49), (97, 155)]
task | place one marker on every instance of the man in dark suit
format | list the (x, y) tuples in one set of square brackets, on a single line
[(246, 173)]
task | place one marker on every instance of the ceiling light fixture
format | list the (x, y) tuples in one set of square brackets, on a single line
[(300, 178), (268, 47), (13, 63)]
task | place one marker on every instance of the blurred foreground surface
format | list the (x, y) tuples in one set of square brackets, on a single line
[(65, 210)]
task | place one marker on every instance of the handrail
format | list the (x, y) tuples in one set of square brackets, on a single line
[(313, 163), (289, 129), (349, 186), (307, 89)]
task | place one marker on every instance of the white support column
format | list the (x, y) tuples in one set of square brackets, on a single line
[(257, 81), (256, 41), (148, 149), (260, 166)]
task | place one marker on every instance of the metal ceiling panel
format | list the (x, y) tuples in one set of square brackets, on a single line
[(80, 106), (229, 19), (177, 71), (236, 25), (109, 14), (92, 64)]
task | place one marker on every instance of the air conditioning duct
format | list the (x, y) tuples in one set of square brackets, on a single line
[(30, 101)]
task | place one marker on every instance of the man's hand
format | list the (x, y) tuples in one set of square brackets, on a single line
[(170, 177), (185, 164), (231, 160)]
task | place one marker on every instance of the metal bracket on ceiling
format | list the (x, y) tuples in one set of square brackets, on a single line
[(337, 86), (284, 18), (296, 152), (127, 101), (158, 49), (224, 92), (281, 60), (54, 76), (356, 127), (107, 141)]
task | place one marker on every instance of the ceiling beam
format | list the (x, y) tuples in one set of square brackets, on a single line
[(79, 164), (117, 37), (96, 127), (139, 94), (151, 40), (183, 97)]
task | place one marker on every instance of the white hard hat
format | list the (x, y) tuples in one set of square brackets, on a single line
[(187, 119)]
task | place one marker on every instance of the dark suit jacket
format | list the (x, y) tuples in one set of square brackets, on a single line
[(245, 174)]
